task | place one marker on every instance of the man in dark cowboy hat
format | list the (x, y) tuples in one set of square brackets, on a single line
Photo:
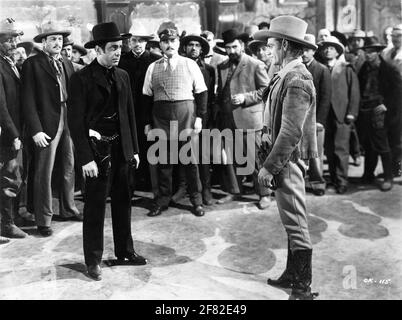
[(381, 97), (11, 136), (102, 119), (179, 103), (45, 80), (136, 63), (289, 126)]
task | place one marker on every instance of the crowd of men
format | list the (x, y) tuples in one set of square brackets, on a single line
[(72, 120)]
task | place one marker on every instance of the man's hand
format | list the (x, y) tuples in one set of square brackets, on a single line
[(319, 126), (17, 144), (40, 139), (380, 109), (238, 99), (265, 178), (198, 125), (349, 118), (95, 134), (90, 170), (137, 161)]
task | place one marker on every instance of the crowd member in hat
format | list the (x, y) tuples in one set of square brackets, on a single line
[(264, 54), (44, 92), (195, 47), (19, 57), (356, 54), (136, 63), (11, 136), (77, 53), (263, 26), (345, 98), (153, 46), (381, 97), (394, 124), (67, 53), (323, 34), (290, 130), (103, 125), (179, 99), (322, 84), (242, 79)]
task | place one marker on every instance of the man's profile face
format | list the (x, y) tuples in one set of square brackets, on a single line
[(234, 49), (112, 53), (276, 49), (53, 44), (193, 49), (137, 45), (170, 47)]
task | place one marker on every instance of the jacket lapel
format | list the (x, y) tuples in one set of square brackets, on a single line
[(8, 69), (241, 65), (45, 64), (99, 77), (224, 72)]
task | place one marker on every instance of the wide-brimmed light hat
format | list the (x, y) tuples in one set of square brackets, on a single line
[(7, 27), (105, 32), (288, 28), (334, 42), (138, 30), (193, 37), (51, 28)]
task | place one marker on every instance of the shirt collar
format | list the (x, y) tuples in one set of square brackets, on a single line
[(58, 57), (282, 73)]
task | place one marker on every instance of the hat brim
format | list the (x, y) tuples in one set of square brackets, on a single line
[(69, 43), (14, 33), (63, 33), (147, 38), (253, 45), (378, 47), (339, 47), (80, 49), (204, 43), (91, 44), (263, 35)]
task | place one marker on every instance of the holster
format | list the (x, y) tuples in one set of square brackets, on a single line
[(102, 150)]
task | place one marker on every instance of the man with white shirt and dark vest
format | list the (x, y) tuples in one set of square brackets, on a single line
[(45, 78), (179, 100), (11, 122)]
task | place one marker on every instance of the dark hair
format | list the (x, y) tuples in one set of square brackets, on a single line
[(295, 49), (263, 25)]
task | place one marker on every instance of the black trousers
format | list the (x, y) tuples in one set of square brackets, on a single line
[(96, 192)]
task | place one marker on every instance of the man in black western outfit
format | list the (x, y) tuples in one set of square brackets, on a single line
[(102, 119), (179, 103)]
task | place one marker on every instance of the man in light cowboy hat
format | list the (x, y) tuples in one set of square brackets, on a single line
[(195, 47), (103, 125), (345, 99), (290, 135), (394, 56), (381, 97), (179, 99), (11, 136), (44, 92), (136, 63)]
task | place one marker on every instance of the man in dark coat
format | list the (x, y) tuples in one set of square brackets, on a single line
[(322, 84), (45, 79), (11, 123), (136, 63), (102, 119)]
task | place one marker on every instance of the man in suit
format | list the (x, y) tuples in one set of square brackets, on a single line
[(242, 79), (322, 84), (67, 53), (102, 120), (45, 79), (345, 99), (136, 63), (289, 130), (11, 122), (179, 96)]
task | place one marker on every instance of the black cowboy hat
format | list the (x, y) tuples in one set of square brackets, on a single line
[(105, 32), (193, 37), (373, 43), (80, 49)]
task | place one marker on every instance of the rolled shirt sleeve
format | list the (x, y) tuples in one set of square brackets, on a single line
[(197, 77), (147, 88)]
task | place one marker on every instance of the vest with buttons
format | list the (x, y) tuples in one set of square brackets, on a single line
[(176, 85)]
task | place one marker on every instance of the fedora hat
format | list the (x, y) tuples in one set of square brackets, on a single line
[(357, 34), (51, 28), (67, 42), (7, 27), (80, 49), (334, 42), (310, 38), (231, 35), (288, 28), (138, 30), (255, 44), (373, 43), (193, 37), (105, 32)]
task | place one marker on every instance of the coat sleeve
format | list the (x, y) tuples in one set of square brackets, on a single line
[(354, 92), (131, 115), (325, 88), (9, 130), (261, 82), (295, 105), (30, 111), (76, 112)]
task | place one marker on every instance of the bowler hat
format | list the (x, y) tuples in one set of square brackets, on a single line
[(80, 49), (288, 28), (7, 28), (372, 43), (105, 32), (231, 35), (51, 28), (193, 37), (334, 42)]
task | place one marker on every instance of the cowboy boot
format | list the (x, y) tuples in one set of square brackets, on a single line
[(285, 281), (301, 289), (8, 228)]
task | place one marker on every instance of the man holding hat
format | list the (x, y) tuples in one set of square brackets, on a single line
[(381, 97), (135, 63), (242, 79), (345, 99), (180, 97), (103, 126), (44, 92), (11, 135), (290, 135)]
